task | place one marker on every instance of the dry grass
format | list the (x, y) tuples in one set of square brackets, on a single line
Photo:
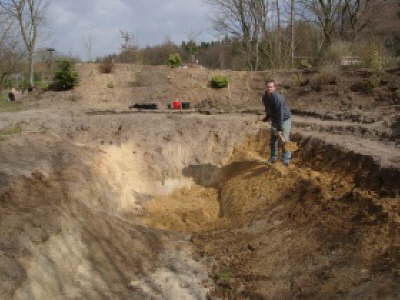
[(106, 66), (6, 106), (9, 131), (327, 75)]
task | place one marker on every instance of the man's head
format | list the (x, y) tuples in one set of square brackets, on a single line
[(270, 86)]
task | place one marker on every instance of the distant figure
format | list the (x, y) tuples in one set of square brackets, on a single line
[(11, 95), (278, 112)]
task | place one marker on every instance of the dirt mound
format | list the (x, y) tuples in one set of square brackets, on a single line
[(325, 91), (153, 205), (322, 100), (62, 234), (70, 197), (186, 210), (287, 233), (356, 102), (319, 237), (129, 84)]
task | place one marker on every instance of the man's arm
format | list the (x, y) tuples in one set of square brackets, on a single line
[(267, 113), (279, 111)]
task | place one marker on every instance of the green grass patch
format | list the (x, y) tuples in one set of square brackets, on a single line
[(225, 275), (219, 82), (9, 132), (6, 106)]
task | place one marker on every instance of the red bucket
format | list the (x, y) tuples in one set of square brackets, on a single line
[(176, 105)]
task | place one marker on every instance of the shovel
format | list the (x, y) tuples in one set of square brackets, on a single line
[(288, 146)]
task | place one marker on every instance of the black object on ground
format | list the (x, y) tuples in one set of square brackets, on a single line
[(144, 106), (11, 97), (185, 105)]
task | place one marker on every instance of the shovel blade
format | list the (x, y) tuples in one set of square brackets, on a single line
[(291, 147)]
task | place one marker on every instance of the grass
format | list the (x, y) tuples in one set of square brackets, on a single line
[(6, 106), (225, 275), (9, 131)]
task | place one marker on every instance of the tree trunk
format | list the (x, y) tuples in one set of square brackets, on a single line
[(31, 70), (257, 55), (2, 79), (279, 45), (292, 31), (249, 54)]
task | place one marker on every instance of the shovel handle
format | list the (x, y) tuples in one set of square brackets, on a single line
[(281, 137)]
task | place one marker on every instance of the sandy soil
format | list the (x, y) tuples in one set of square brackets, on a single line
[(183, 206)]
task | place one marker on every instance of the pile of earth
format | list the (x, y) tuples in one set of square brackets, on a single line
[(176, 206)]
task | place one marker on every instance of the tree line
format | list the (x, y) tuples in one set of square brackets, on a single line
[(265, 34), (253, 35)]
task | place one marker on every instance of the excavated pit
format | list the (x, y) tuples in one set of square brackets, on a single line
[(191, 211)]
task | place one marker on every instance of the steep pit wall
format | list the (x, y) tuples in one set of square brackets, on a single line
[(69, 200), (63, 238), (93, 209)]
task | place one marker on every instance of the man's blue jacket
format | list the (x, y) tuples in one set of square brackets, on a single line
[(276, 109)]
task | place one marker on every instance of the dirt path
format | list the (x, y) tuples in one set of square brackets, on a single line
[(387, 156)]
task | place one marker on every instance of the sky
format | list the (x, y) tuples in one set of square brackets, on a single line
[(72, 22)]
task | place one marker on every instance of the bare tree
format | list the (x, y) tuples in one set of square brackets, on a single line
[(356, 15), (10, 53), (326, 13), (342, 19), (129, 49), (245, 20), (279, 29), (88, 41), (10, 62), (128, 39), (258, 10), (29, 14), (292, 29)]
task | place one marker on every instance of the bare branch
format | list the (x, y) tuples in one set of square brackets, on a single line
[(29, 14)]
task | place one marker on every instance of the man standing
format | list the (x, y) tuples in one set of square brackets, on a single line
[(278, 112)]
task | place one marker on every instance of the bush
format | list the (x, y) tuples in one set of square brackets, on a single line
[(219, 81), (391, 62), (42, 85), (336, 51), (304, 64), (110, 85), (366, 86), (376, 61), (327, 75), (296, 79), (25, 84), (371, 53), (106, 65), (375, 80), (174, 60), (65, 78)]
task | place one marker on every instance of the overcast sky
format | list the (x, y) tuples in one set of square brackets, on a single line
[(71, 21)]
